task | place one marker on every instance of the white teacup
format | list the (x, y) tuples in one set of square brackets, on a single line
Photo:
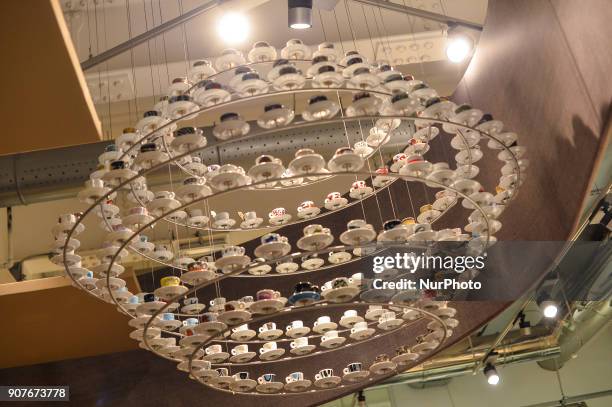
[(295, 324), (329, 335), (213, 349), (219, 216), (322, 320), (240, 349), (349, 313), (243, 327), (356, 279), (268, 346), (299, 342), (250, 215), (387, 316), (268, 326), (359, 326), (233, 251), (294, 377), (218, 302)]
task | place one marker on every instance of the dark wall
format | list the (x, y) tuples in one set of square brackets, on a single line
[(543, 67)]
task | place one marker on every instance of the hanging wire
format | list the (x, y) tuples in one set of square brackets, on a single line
[(348, 16), (157, 64), (365, 18), (185, 44), (110, 116), (379, 35), (129, 20), (144, 9), (161, 21), (338, 28), (322, 25)]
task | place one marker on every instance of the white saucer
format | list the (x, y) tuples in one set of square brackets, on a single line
[(306, 164), (269, 388), (390, 324), (273, 250), (114, 283), (375, 295), (335, 203), (217, 357), (222, 381), (167, 293), (405, 358), (270, 334), (198, 277), (193, 340), (260, 270), (349, 162), (397, 234), (308, 213), (279, 220), (363, 334), (272, 354), (297, 332), (425, 347), (168, 325), (251, 223), (381, 181), (199, 221), (243, 357), (302, 350), (189, 193), (353, 377), (234, 317), (411, 315), (267, 306), (287, 267), (149, 308), (160, 206), (138, 334), (228, 264), (298, 386), (140, 322), (210, 328), (341, 294), (324, 327), (313, 263), (328, 382), (349, 322), (193, 309), (244, 335), (243, 385), (314, 242), (357, 236), (360, 193), (223, 223), (265, 171), (382, 368), (333, 342), (339, 257), (226, 180)]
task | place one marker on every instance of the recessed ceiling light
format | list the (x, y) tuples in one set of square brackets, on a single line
[(233, 28)]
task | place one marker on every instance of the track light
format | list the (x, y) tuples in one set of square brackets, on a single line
[(549, 308), (491, 374), (300, 14)]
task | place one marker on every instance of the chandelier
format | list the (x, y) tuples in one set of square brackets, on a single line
[(237, 343)]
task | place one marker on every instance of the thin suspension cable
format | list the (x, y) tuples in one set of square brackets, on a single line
[(129, 20), (110, 116), (144, 9), (157, 64), (185, 45), (365, 18), (322, 25), (338, 28), (348, 16), (382, 40), (161, 21)]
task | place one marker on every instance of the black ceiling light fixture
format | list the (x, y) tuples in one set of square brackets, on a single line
[(300, 14)]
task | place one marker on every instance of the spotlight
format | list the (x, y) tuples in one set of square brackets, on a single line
[(549, 308), (300, 14), (491, 373), (458, 48), (233, 28)]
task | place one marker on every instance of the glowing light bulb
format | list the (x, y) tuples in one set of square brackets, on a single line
[(458, 49), (233, 28)]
